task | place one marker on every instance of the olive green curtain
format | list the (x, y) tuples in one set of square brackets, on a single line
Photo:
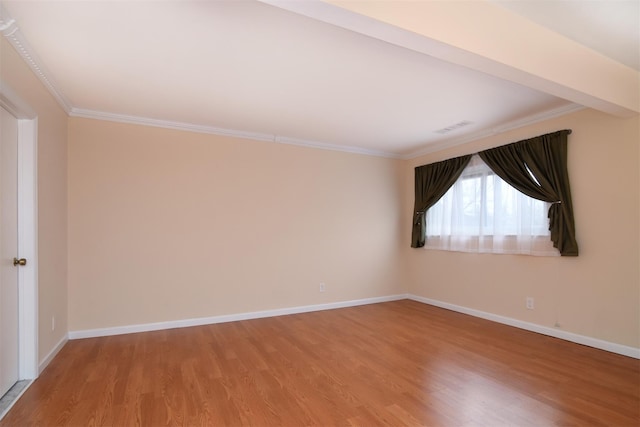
[(431, 183), (538, 168)]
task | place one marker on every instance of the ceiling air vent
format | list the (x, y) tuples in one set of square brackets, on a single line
[(454, 127)]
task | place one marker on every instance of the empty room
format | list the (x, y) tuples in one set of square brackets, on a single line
[(320, 213)]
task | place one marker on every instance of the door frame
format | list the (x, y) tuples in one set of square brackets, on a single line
[(28, 367)]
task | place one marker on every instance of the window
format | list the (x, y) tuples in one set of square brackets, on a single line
[(482, 213)]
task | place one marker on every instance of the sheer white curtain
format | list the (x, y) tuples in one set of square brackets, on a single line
[(482, 213)]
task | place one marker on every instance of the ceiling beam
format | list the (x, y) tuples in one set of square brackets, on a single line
[(488, 38)]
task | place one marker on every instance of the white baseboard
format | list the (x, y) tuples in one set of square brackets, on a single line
[(567, 336), (49, 357), (119, 330)]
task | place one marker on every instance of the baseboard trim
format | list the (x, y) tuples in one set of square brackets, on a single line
[(567, 336), (147, 327), (54, 351)]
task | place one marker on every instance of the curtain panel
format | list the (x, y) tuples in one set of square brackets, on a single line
[(538, 168), (431, 183)]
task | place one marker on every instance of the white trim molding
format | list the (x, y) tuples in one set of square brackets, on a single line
[(167, 124), (53, 353), (147, 327), (11, 32), (333, 147), (257, 136), (212, 130), (544, 330), (516, 124), (28, 246), (27, 230)]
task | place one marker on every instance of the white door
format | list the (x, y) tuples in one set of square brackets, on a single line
[(8, 250)]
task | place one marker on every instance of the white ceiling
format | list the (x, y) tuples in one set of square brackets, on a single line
[(248, 68)]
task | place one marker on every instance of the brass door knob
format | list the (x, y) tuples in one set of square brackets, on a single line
[(21, 261)]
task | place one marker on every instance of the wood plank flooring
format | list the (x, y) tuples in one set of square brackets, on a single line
[(396, 363)]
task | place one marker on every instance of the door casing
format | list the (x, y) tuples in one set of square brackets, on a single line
[(9, 235), (28, 366)]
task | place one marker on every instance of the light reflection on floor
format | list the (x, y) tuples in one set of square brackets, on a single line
[(482, 399)]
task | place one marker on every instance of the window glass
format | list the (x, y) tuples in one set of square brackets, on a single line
[(482, 213)]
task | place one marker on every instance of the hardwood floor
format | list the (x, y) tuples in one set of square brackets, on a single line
[(396, 363)]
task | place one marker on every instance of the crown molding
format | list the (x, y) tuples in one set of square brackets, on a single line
[(334, 147), (11, 32), (145, 121), (515, 124), (256, 136)]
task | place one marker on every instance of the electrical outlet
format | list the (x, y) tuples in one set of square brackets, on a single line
[(530, 303), (322, 287)]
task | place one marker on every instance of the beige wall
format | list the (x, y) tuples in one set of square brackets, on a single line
[(596, 294), (52, 195), (167, 225)]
